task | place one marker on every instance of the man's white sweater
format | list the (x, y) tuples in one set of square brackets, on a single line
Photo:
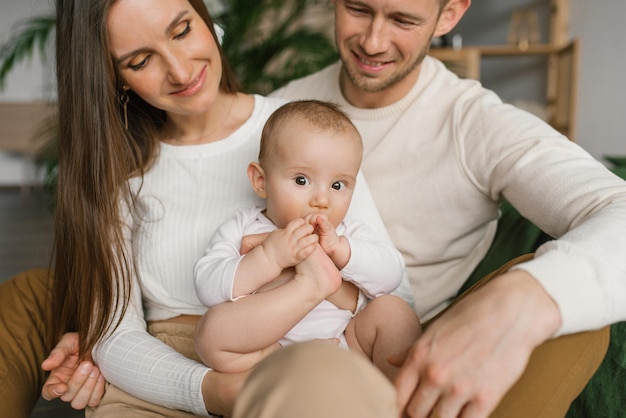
[(438, 163)]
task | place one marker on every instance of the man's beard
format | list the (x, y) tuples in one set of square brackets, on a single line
[(374, 85)]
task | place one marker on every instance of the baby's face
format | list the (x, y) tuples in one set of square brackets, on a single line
[(312, 171)]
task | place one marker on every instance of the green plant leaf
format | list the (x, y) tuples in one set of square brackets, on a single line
[(617, 161), (267, 46), (31, 33)]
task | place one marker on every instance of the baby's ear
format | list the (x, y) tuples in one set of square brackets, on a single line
[(256, 175)]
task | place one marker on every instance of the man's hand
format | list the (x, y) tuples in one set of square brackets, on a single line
[(468, 359), (80, 384)]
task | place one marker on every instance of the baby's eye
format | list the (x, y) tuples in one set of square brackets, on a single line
[(338, 185), (301, 181)]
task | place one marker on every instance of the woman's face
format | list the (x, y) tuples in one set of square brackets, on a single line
[(165, 53)]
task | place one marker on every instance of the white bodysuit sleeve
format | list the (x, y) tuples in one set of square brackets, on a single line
[(214, 273), (376, 267)]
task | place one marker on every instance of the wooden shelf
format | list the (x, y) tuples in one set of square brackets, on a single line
[(465, 62), (512, 50), (561, 74), (19, 124)]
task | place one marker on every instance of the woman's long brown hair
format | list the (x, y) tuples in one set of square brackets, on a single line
[(97, 156)]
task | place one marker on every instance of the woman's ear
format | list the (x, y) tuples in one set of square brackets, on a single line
[(450, 16), (256, 175)]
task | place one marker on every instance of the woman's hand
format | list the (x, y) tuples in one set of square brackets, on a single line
[(468, 359), (220, 390), (81, 384)]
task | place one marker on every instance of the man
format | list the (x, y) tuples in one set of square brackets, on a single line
[(440, 154)]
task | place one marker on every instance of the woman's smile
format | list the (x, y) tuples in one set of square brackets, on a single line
[(193, 87)]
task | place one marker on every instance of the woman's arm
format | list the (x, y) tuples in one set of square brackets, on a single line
[(145, 367), (82, 384)]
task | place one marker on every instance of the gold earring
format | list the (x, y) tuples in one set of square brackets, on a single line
[(124, 101)]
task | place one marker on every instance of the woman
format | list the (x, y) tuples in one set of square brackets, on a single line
[(129, 100), (153, 144)]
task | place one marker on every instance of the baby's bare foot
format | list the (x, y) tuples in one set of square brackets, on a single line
[(319, 272)]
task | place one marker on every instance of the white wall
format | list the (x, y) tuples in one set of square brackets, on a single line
[(602, 90), (30, 80)]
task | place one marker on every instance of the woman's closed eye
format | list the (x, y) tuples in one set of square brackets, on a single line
[(182, 32), (139, 65)]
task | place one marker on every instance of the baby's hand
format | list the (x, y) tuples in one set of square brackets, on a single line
[(329, 240), (291, 245), (249, 242)]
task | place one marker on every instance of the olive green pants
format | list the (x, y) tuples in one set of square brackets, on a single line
[(310, 379)]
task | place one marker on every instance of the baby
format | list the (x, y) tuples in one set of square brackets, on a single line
[(308, 164)]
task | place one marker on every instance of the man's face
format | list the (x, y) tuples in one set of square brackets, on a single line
[(382, 44)]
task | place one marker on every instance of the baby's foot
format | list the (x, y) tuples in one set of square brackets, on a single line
[(319, 272)]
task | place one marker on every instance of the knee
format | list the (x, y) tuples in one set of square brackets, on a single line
[(25, 296), (302, 379), (386, 303), (391, 308), (202, 341), (29, 284)]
